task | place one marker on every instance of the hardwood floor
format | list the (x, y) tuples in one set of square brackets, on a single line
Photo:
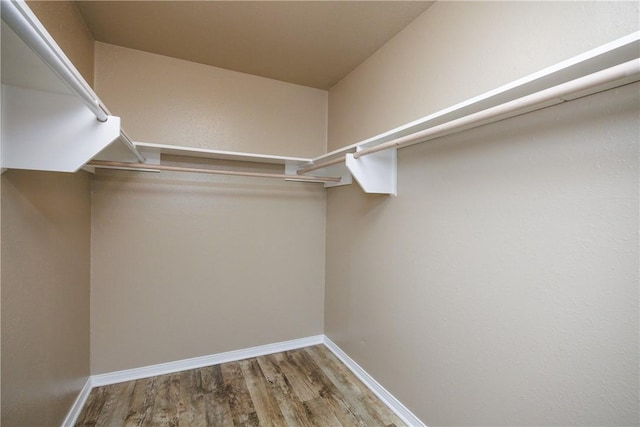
[(305, 387)]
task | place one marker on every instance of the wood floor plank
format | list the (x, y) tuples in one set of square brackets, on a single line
[(327, 391), (267, 407), (115, 408), (92, 408), (165, 406), (191, 405), (319, 413), (307, 387), (384, 413), (141, 403), (217, 400), (211, 378), (292, 408), (302, 388), (239, 400), (218, 411), (308, 374), (347, 408), (210, 385), (362, 402)]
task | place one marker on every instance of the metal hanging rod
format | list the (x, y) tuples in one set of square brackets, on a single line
[(535, 101), (153, 168), (131, 146), (28, 28)]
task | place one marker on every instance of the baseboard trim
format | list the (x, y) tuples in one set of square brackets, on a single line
[(77, 406), (387, 398), (199, 362)]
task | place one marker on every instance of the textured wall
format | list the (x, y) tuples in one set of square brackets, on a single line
[(66, 25), (45, 295), (171, 101), (501, 286), (188, 265)]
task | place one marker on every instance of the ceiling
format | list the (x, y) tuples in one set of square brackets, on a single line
[(312, 43)]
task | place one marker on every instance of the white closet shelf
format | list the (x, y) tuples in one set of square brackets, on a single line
[(52, 119), (116, 158), (177, 150), (597, 63), (153, 152)]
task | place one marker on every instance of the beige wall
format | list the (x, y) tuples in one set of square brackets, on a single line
[(45, 294), (45, 267), (171, 101), (501, 286), (189, 265), (63, 21)]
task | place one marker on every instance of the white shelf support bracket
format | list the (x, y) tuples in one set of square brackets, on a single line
[(51, 131), (376, 173)]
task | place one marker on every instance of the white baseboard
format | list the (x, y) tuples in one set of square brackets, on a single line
[(199, 362), (75, 409), (387, 398), (231, 356)]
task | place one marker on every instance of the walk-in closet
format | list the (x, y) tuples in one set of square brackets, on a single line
[(320, 213)]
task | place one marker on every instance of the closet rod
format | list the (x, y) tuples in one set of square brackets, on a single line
[(321, 165), (131, 146), (538, 99), (129, 166), (26, 26), (532, 102)]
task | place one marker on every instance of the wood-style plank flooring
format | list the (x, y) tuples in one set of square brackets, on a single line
[(305, 387)]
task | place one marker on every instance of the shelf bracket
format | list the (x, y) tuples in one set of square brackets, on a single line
[(376, 173)]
